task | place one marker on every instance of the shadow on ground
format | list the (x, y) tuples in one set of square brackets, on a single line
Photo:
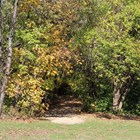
[(64, 106)]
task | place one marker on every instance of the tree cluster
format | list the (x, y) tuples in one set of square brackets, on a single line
[(88, 48)]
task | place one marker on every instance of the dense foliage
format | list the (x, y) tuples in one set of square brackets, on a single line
[(88, 48)]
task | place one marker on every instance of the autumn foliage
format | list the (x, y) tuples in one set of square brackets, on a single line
[(91, 47)]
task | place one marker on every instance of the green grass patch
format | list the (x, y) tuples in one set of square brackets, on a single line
[(94, 129)]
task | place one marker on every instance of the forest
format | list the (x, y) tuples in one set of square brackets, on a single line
[(89, 49)]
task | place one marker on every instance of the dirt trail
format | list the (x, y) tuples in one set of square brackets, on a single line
[(65, 110), (65, 106)]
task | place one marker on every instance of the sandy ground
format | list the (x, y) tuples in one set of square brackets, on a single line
[(67, 120)]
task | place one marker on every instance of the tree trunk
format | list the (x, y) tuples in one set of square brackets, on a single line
[(116, 95), (2, 93), (120, 92), (1, 41), (9, 56), (121, 101), (125, 90), (116, 98), (1, 60)]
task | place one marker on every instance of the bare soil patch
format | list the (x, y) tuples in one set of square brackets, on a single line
[(65, 110), (67, 120)]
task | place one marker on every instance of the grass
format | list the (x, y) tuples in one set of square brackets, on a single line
[(92, 129)]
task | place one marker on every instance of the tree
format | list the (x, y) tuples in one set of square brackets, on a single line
[(113, 43), (42, 57), (118, 48), (5, 60)]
